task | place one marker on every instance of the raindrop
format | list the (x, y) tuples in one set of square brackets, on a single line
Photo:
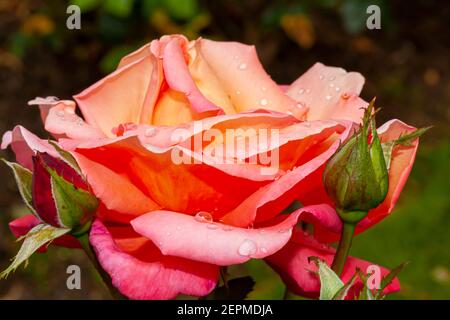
[(331, 78), (247, 248), (60, 113), (264, 89), (150, 132), (203, 216), (300, 105), (331, 85), (262, 231), (263, 102), (79, 122), (321, 77), (337, 89), (328, 97), (242, 66), (263, 250), (301, 90)]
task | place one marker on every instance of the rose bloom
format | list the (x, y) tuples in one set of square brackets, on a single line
[(165, 228)]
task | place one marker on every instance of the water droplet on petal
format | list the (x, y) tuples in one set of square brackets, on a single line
[(263, 250), (242, 66), (203, 216), (331, 78), (345, 96), (212, 226), (328, 97), (263, 102), (262, 231), (300, 91), (337, 89), (331, 85), (247, 248), (264, 89), (283, 230), (60, 113), (321, 77), (79, 122), (150, 132), (308, 91), (238, 92)]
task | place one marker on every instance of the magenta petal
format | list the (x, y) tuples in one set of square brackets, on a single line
[(292, 264), (159, 279), (182, 235)]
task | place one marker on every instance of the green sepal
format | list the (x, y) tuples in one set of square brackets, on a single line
[(74, 206), (343, 291), (67, 157), (330, 283), (404, 140), (24, 178), (40, 235), (387, 279)]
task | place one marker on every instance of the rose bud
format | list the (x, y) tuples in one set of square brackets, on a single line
[(60, 195), (356, 177)]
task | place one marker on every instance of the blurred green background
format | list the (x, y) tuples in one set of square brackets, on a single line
[(406, 65)]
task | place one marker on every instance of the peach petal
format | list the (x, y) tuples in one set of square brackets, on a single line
[(329, 93)]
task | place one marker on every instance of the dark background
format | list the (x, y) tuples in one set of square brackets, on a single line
[(406, 65)]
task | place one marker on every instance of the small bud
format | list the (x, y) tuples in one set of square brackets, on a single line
[(356, 177), (60, 195)]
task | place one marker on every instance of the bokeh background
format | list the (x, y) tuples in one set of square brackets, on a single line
[(406, 65)]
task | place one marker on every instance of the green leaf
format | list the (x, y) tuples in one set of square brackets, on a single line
[(388, 279), (119, 8), (86, 5), (330, 283), (37, 237), (342, 293), (24, 178), (73, 205)]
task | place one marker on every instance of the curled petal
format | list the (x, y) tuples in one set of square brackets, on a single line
[(189, 237), (139, 271), (62, 121), (243, 78), (25, 144), (107, 104)]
